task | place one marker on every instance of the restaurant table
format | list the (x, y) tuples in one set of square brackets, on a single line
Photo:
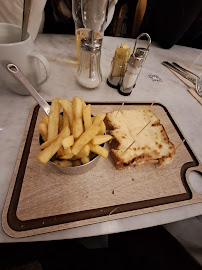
[(155, 83)]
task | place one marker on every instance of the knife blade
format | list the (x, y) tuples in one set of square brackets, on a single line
[(184, 69), (169, 65)]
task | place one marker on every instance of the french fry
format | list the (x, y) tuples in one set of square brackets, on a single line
[(45, 155), (77, 128), (45, 119), (67, 142), (85, 138), (65, 119), (85, 160), (76, 162), (60, 123), (67, 156), (60, 152), (87, 117), (67, 151), (43, 130), (100, 139), (47, 143), (77, 116), (98, 150), (64, 163), (83, 103), (83, 153), (98, 119), (67, 107), (102, 128), (53, 122)]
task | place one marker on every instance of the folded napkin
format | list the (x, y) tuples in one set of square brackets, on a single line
[(191, 86)]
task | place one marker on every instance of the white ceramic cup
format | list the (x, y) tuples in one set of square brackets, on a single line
[(33, 65)]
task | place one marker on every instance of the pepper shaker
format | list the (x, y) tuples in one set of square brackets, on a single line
[(134, 66)]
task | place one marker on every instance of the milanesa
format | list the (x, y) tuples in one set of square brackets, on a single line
[(142, 131)]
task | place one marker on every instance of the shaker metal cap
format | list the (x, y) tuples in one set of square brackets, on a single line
[(91, 44), (136, 62), (88, 46), (141, 52)]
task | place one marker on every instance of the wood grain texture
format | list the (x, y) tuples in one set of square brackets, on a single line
[(102, 194)]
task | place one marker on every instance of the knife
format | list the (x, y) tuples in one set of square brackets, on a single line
[(184, 69), (173, 67)]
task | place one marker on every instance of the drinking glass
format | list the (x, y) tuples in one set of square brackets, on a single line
[(94, 14), (76, 14)]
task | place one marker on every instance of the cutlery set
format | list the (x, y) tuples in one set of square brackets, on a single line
[(187, 74)]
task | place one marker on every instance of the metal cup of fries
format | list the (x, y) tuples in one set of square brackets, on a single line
[(73, 140), (76, 170)]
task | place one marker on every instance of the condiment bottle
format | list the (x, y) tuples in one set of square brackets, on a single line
[(134, 66), (89, 71), (118, 66)]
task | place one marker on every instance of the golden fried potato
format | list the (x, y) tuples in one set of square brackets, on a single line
[(85, 160), (53, 121), (98, 150), (67, 108), (67, 142), (60, 123), (64, 163), (100, 139), (66, 154), (47, 143), (77, 109), (45, 120), (102, 128), (98, 119), (85, 138), (76, 162), (87, 117), (45, 155), (43, 130), (83, 103), (83, 153), (60, 152), (65, 119)]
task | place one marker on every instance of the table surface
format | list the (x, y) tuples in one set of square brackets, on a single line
[(168, 90)]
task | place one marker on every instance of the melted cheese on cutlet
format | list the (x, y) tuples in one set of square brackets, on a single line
[(151, 141)]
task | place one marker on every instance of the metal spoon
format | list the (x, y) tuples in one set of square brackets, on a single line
[(15, 71), (26, 12)]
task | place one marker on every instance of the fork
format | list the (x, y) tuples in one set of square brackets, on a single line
[(198, 82), (199, 86)]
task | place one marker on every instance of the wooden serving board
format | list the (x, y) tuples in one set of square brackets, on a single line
[(41, 199)]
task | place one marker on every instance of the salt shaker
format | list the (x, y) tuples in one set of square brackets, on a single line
[(134, 66), (89, 71)]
